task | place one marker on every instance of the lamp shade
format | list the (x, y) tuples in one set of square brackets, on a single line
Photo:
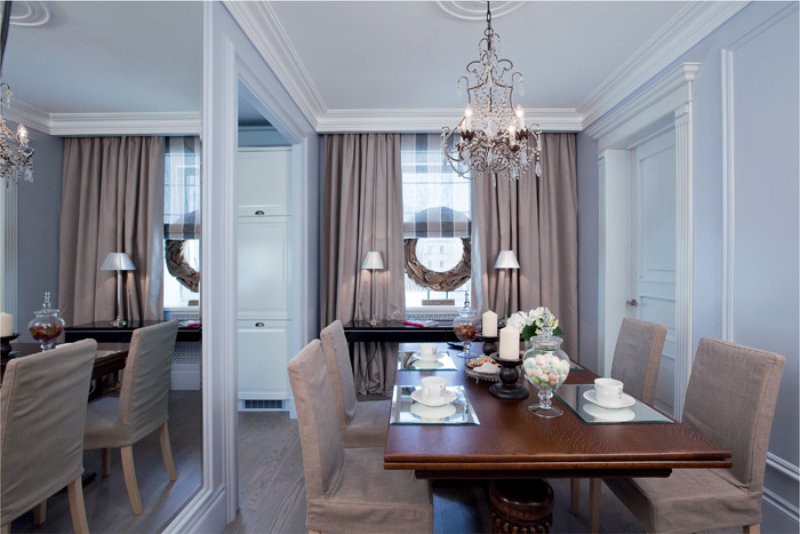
[(373, 261), (506, 260), (118, 261)]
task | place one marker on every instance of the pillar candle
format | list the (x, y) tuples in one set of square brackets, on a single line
[(509, 343), (489, 322), (6, 324)]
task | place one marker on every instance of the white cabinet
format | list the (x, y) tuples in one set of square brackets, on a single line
[(264, 320)]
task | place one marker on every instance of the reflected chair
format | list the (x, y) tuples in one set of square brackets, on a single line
[(347, 490), (731, 399), (637, 357), (363, 423), (42, 415), (140, 409)]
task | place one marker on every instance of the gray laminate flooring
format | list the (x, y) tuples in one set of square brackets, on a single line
[(107, 507)]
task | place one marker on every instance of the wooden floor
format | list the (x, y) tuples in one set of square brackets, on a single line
[(272, 491), (107, 505)]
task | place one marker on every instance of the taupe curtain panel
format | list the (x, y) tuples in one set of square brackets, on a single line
[(537, 218), (112, 201), (363, 211)]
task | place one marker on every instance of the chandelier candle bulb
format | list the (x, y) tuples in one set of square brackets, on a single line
[(509, 343), (489, 324)]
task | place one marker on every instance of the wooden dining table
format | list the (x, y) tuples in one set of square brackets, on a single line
[(511, 444)]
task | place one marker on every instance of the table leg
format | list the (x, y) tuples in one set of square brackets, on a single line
[(521, 506)]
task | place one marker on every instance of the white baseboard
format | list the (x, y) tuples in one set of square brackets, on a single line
[(201, 515)]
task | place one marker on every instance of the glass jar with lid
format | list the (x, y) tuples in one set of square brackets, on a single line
[(546, 366), (467, 326), (47, 325)]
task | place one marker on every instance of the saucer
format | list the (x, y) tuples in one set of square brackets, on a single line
[(624, 402), (604, 414), (433, 413), (427, 365), (447, 398), (427, 357)]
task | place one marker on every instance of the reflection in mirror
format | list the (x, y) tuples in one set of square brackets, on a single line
[(111, 94), (274, 503)]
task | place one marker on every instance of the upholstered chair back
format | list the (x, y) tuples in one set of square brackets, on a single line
[(42, 415), (340, 367), (731, 399), (320, 431), (144, 397), (637, 357)]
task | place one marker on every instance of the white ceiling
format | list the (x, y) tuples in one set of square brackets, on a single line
[(408, 55), (110, 57)]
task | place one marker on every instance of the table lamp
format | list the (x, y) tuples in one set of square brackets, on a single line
[(507, 260), (118, 261), (373, 261)]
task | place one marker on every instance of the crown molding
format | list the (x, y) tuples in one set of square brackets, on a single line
[(148, 123), (681, 32), (431, 120), (261, 25), (29, 115)]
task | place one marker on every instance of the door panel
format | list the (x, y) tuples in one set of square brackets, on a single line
[(263, 268), (263, 188), (262, 360), (653, 249)]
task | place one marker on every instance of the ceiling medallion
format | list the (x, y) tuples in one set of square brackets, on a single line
[(29, 13), (471, 10), (492, 135)]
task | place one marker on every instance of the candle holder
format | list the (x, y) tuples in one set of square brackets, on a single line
[(509, 386), (5, 346), (490, 345)]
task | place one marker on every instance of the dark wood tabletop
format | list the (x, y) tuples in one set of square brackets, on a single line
[(104, 332), (510, 442), (395, 331)]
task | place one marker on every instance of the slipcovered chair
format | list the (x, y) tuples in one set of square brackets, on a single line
[(731, 399), (347, 490), (141, 407), (42, 414), (363, 423), (637, 358)]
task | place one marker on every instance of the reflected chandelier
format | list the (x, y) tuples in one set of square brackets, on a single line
[(492, 135), (16, 157)]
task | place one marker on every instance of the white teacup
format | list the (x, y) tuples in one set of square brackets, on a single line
[(427, 351), (433, 387), (608, 390)]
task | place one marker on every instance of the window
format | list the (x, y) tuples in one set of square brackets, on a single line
[(181, 222), (436, 226)]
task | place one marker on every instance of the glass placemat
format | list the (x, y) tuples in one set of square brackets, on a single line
[(572, 395), (407, 412), (410, 361)]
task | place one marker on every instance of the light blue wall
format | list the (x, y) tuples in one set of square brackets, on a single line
[(38, 212), (767, 201)]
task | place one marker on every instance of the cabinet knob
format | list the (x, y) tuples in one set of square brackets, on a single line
[(259, 212), (259, 324)]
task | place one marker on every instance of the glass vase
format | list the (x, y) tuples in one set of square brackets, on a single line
[(546, 366)]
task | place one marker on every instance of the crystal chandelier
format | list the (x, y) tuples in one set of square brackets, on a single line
[(16, 157), (492, 135)]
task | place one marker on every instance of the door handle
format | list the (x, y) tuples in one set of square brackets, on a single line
[(259, 212), (632, 302), (259, 324)]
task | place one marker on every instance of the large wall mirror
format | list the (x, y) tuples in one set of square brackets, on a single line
[(112, 96)]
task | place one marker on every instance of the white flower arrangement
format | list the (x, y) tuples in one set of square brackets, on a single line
[(532, 323)]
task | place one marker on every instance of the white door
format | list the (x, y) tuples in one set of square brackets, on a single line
[(653, 249)]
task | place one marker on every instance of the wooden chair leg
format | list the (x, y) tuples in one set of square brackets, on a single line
[(40, 513), (5, 529), (574, 495), (76, 507), (105, 457), (166, 453), (129, 472), (594, 505), (752, 529)]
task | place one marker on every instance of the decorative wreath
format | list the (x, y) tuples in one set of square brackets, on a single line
[(438, 281), (179, 267)]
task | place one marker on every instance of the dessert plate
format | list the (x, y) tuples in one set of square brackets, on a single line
[(625, 402), (433, 413), (447, 398), (604, 414)]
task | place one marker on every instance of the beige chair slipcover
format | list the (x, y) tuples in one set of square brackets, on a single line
[(348, 490), (363, 423), (141, 407), (42, 413), (637, 358), (731, 399)]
